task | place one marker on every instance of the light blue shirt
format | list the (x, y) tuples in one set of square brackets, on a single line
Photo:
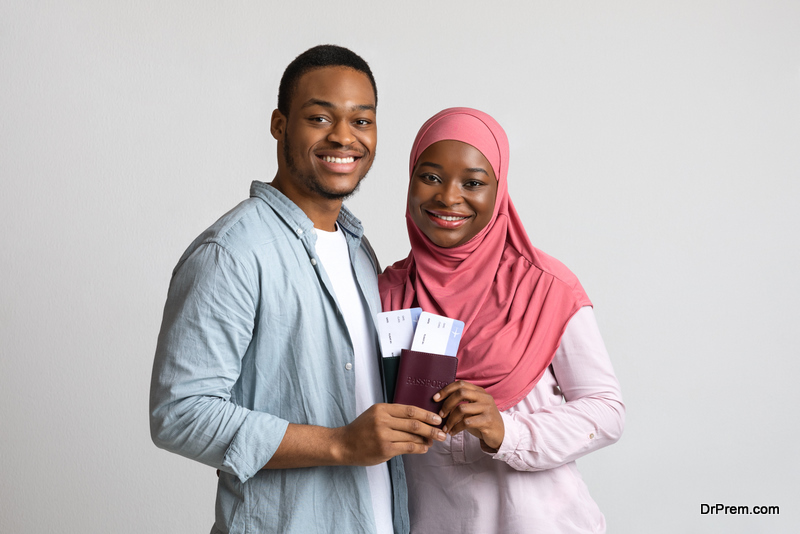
[(253, 339)]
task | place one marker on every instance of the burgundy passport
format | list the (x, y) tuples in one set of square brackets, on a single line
[(421, 375)]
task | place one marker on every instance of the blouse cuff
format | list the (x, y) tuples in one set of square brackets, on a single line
[(510, 439)]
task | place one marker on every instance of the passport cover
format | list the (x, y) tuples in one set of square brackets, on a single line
[(420, 375), (390, 366)]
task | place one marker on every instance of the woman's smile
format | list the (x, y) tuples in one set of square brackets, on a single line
[(446, 220)]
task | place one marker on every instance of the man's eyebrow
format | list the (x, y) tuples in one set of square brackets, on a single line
[(325, 104)]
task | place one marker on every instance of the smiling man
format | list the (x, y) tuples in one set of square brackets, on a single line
[(267, 365)]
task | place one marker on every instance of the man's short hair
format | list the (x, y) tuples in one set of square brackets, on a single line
[(317, 58)]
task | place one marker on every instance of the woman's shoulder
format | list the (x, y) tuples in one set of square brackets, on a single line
[(395, 274), (540, 260)]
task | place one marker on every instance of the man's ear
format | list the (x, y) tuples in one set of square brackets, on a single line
[(277, 125)]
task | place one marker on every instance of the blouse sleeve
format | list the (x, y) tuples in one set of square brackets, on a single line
[(593, 416)]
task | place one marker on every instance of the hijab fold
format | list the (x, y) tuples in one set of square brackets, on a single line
[(514, 299)]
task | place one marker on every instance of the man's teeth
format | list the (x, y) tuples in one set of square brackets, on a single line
[(448, 218), (331, 159)]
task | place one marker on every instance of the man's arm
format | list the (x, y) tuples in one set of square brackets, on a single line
[(380, 433), (206, 330)]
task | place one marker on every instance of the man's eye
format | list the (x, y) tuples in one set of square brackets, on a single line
[(363, 122), (318, 119)]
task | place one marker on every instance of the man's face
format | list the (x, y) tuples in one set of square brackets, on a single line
[(328, 140)]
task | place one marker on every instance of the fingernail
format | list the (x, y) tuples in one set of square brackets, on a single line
[(444, 428), (437, 420), (440, 435), (436, 397)]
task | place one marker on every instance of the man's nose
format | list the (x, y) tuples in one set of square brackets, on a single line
[(341, 133)]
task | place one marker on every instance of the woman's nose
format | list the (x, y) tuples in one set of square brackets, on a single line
[(449, 193)]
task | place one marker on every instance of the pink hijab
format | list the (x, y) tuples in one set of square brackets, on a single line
[(514, 299)]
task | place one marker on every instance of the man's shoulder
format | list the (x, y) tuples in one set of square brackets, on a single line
[(248, 227), (249, 223)]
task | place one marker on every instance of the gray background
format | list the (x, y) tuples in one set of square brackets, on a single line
[(654, 150)]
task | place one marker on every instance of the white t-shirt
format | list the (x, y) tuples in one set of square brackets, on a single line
[(335, 257)]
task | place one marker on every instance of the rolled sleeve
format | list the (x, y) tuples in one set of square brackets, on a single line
[(254, 444), (207, 327)]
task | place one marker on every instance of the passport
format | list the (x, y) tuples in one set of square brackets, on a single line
[(420, 375)]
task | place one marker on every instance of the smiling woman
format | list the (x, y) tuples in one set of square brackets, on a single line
[(452, 192), (530, 341)]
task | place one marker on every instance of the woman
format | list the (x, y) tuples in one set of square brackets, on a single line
[(530, 341)]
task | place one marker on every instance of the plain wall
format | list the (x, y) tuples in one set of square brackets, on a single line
[(655, 150)]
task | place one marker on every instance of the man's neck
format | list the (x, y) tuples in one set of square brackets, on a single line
[(323, 212)]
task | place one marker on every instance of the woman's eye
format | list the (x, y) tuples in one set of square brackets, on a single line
[(474, 183), (432, 178)]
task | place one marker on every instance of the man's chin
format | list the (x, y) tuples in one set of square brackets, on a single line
[(335, 194)]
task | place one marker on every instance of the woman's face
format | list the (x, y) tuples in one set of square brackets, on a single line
[(452, 193)]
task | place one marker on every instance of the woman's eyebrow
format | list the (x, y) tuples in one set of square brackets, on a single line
[(437, 166), (430, 164)]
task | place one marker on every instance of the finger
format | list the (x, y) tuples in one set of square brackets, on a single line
[(475, 424), (406, 411), (410, 448), (412, 426), (464, 396), (450, 388), (462, 411), (398, 436)]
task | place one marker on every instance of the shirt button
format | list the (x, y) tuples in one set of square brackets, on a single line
[(313, 231), (591, 436), (348, 366), (313, 261), (299, 231)]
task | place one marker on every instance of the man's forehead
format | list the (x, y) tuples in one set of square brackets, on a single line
[(340, 87)]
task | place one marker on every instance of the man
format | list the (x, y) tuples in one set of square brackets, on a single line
[(267, 365)]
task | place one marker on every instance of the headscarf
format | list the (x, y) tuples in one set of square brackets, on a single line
[(514, 299)]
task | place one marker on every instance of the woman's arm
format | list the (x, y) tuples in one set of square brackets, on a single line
[(539, 438)]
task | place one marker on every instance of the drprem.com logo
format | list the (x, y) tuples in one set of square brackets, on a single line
[(721, 509)]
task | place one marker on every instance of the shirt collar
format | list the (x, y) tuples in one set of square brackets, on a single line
[(295, 217)]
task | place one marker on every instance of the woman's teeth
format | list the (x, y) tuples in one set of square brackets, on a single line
[(331, 159), (448, 218)]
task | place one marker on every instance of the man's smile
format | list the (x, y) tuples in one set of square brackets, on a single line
[(331, 159)]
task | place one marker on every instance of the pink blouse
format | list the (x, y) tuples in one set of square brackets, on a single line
[(531, 485)]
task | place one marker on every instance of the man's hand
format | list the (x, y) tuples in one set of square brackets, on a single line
[(380, 433), (469, 407), (385, 431)]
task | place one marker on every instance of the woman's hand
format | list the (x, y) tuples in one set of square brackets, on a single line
[(469, 407)]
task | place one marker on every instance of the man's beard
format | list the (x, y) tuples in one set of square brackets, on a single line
[(310, 179)]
